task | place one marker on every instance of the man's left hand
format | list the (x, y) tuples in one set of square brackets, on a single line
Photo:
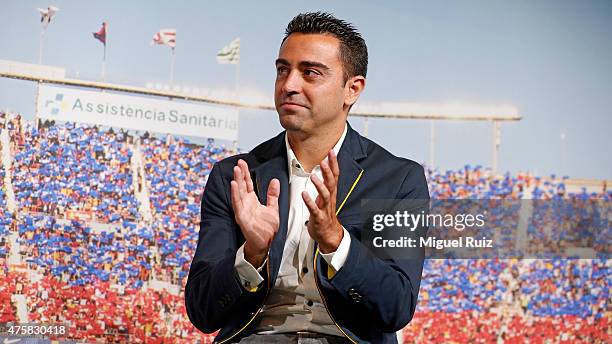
[(323, 225)]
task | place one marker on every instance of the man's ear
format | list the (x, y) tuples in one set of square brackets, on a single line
[(354, 86)]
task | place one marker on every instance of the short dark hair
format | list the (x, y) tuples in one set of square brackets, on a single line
[(353, 49)]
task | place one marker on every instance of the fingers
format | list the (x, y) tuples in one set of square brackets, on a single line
[(242, 177), (273, 193), (330, 171), (328, 176), (333, 163), (310, 204), (239, 179), (236, 199), (239, 186), (323, 190), (247, 175)]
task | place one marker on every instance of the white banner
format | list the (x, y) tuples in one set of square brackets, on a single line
[(138, 113)]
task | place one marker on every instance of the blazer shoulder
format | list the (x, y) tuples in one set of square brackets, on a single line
[(411, 173), (256, 156), (226, 165), (379, 154)]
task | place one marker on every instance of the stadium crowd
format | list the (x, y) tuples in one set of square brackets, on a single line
[(176, 173), (68, 167), (102, 274)]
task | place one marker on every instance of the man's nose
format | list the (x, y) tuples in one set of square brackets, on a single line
[(292, 83)]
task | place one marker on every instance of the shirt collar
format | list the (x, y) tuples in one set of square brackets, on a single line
[(295, 167)]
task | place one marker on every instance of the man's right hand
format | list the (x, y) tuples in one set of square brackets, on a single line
[(257, 222)]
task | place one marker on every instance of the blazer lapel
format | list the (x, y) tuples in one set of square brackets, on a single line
[(349, 172), (352, 150)]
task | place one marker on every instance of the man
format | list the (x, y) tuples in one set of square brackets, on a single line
[(279, 256)]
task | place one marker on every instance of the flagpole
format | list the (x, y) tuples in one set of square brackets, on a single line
[(237, 86), (237, 81), (104, 65), (36, 115), (172, 71), (40, 48), (40, 45)]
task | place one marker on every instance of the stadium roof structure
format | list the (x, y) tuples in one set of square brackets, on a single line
[(423, 111), (439, 111), (434, 111)]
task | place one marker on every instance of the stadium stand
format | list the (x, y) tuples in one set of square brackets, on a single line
[(81, 251), (73, 169)]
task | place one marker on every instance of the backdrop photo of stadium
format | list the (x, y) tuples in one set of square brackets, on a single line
[(100, 193)]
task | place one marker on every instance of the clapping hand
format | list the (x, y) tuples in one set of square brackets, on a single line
[(258, 223), (323, 225)]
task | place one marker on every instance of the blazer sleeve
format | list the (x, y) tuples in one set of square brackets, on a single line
[(213, 292), (381, 290)]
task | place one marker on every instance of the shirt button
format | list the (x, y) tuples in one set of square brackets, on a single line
[(304, 270), (306, 223)]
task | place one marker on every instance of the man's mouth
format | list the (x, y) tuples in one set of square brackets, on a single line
[(292, 104)]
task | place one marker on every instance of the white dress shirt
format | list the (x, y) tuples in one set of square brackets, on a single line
[(294, 303)]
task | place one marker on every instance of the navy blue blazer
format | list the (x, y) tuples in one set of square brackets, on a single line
[(369, 299)]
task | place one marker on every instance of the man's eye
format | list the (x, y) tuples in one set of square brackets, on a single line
[(281, 70), (311, 72)]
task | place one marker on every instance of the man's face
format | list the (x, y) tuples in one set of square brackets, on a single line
[(309, 90)]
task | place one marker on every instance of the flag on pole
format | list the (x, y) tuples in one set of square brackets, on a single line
[(101, 35), (46, 15), (230, 54), (165, 36)]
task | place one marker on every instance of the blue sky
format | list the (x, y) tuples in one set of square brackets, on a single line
[(550, 59)]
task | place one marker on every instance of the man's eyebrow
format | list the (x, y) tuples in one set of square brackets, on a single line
[(281, 61), (304, 64), (313, 64)]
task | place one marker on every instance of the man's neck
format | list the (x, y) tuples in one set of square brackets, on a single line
[(311, 149)]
